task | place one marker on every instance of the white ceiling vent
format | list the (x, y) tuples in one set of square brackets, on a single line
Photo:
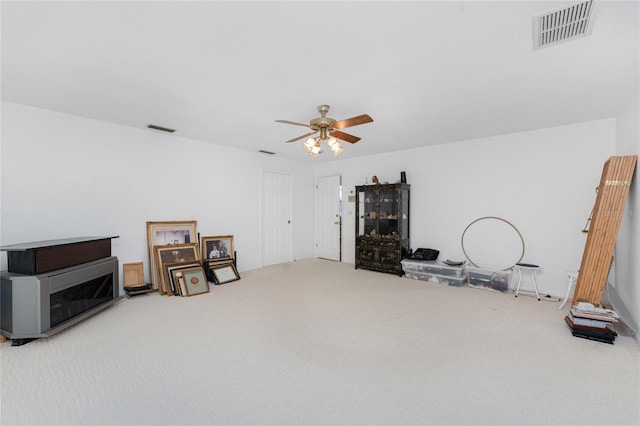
[(562, 24)]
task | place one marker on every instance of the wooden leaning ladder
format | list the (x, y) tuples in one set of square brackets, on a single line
[(603, 230)]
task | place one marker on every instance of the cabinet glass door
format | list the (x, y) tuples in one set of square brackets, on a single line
[(405, 214), (368, 213), (360, 214), (388, 213)]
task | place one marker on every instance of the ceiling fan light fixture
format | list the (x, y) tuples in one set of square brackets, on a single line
[(337, 148), (327, 130), (317, 149), (306, 148), (313, 147)]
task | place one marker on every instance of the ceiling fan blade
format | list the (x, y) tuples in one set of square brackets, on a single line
[(344, 136), (353, 121), (301, 137), (293, 122)]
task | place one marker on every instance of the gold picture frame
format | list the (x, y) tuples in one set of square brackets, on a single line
[(192, 281), (168, 268), (178, 278), (165, 233), (173, 253), (217, 247)]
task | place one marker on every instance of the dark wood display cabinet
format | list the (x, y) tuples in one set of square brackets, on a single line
[(382, 226)]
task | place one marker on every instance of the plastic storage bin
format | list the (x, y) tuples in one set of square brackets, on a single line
[(432, 267), (439, 279), (489, 279)]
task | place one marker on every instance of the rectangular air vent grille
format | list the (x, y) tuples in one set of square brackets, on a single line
[(562, 24), (160, 128)]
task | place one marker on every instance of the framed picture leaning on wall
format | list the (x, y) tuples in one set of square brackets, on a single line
[(168, 269), (195, 281), (224, 272), (166, 233), (173, 253), (218, 247)]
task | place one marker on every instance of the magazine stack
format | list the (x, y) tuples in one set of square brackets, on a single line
[(590, 322)]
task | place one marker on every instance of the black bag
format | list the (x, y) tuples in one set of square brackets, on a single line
[(425, 254)]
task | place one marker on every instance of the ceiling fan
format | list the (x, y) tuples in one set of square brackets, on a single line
[(329, 131)]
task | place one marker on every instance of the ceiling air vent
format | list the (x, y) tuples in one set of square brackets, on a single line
[(160, 128), (266, 152), (562, 24)]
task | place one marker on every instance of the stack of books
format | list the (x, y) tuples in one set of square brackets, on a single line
[(590, 322)]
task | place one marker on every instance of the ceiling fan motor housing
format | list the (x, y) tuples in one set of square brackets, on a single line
[(324, 121), (320, 122)]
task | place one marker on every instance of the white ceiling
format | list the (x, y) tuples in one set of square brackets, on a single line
[(427, 72)]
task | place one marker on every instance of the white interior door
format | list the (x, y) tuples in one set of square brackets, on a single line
[(276, 218), (328, 217)]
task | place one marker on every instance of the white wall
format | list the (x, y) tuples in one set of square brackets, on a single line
[(542, 181), (68, 176), (627, 252), (65, 176)]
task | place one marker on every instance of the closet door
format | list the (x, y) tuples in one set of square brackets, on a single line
[(276, 218)]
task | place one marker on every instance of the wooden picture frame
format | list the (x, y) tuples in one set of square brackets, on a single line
[(224, 273), (165, 233), (193, 280), (133, 277), (133, 274), (168, 268), (178, 278), (173, 253), (217, 247)]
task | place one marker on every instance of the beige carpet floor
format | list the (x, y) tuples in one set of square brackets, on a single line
[(318, 342)]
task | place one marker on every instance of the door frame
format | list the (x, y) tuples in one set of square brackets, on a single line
[(340, 216)]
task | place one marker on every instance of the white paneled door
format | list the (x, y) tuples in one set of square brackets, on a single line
[(276, 218), (328, 217)]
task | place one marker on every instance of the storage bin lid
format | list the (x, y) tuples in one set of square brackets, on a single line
[(431, 264)]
